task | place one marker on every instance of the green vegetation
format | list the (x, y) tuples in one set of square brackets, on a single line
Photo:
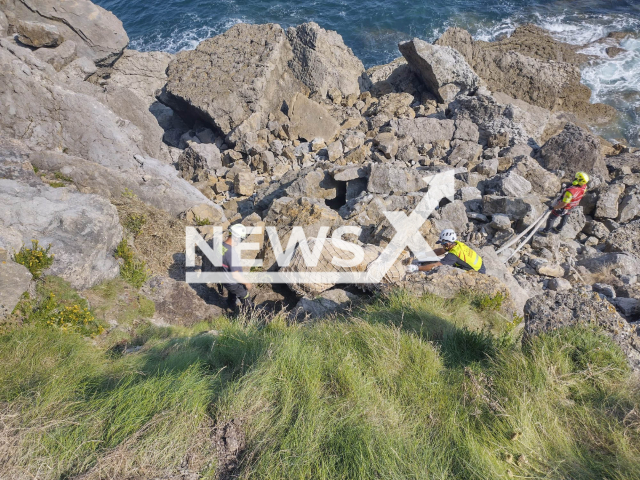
[(134, 223), (57, 304), (488, 303), (62, 177), (117, 300), (128, 193), (201, 222), (132, 270), (405, 388), (36, 258)]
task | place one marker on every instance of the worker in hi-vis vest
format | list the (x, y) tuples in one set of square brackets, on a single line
[(457, 255), (570, 199)]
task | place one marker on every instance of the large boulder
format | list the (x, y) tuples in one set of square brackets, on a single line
[(444, 70), (448, 281), (231, 76), (177, 303), (83, 230), (572, 150), (509, 184), (98, 33), (58, 57), (501, 114), (542, 181), (602, 264), (15, 279), (387, 178), (496, 268), (607, 206), (533, 67), (424, 130), (625, 238), (578, 306), (38, 34), (311, 120), (322, 61)]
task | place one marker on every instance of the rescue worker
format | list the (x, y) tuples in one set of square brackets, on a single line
[(236, 284), (457, 254), (570, 198)]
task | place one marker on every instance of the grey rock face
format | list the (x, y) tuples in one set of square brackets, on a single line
[(509, 184), (625, 238), (385, 178), (311, 120), (444, 70), (580, 306), (38, 34), (424, 130), (83, 230), (607, 206), (198, 159), (177, 303), (629, 208), (230, 76), (572, 150), (141, 72), (542, 182), (4, 24), (576, 221), (627, 264), (322, 61), (97, 32), (58, 57), (14, 281)]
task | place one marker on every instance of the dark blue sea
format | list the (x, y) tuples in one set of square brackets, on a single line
[(373, 29)]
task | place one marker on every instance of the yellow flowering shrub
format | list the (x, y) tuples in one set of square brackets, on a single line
[(36, 258)]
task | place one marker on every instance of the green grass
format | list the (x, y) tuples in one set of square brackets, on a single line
[(132, 270), (134, 223), (404, 389)]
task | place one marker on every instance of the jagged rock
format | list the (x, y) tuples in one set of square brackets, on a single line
[(395, 77), (629, 307), (141, 72), (559, 284), (79, 70), (83, 230), (15, 279), (351, 173), (496, 268), (488, 168), (443, 70), (244, 183), (424, 130), (448, 281), (315, 184), (230, 76), (501, 114), (515, 208), (213, 213), (58, 57), (322, 61), (627, 264), (198, 159), (572, 150), (466, 130), (97, 32), (452, 215), (386, 178), (177, 303), (542, 182), (629, 208), (509, 184), (625, 238), (464, 153), (530, 66), (327, 303), (38, 34), (577, 306), (574, 225), (310, 120), (607, 206), (387, 143), (550, 270)]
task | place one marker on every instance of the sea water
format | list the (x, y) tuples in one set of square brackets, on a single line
[(373, 29)]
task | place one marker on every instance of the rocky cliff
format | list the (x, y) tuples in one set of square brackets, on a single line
[(284, 128)]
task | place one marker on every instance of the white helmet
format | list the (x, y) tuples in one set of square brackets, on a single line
[(447, 236), (238, 230)]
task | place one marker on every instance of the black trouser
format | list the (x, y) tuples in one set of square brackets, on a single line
[(564, 216), (237, 291)]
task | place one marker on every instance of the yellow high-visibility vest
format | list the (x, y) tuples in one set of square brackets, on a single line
[(468, 255)]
